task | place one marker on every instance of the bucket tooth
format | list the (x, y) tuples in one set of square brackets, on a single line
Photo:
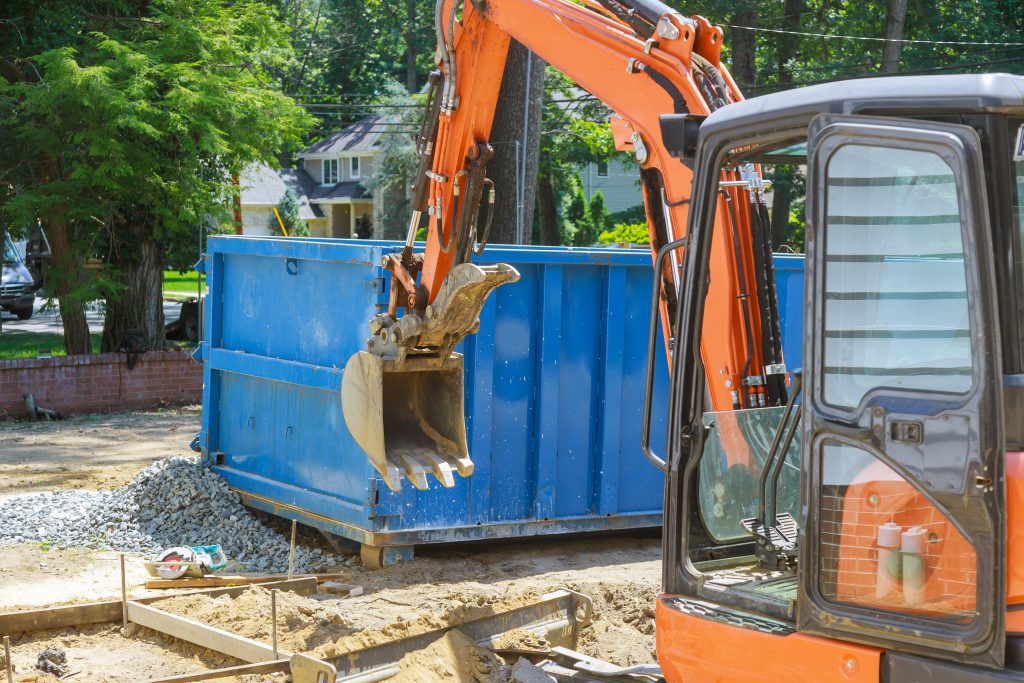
[(408, 417), (442, 470)]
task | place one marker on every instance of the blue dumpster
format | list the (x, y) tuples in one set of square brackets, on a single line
[(553, 393)]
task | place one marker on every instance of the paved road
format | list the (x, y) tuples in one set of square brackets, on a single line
[(49, 320)]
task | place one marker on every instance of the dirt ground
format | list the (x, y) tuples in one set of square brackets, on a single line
[(91, 451), (621, 574)]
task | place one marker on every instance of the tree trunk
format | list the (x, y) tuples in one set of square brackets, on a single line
[(138, 308), (744, 44), (236, 203), (782, 193), (410, 45), (547, 209), (787, 44), (68, 273), (782, 204), (517, 119), (892, 50)]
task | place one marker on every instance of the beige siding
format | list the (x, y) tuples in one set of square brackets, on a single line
[(620, 188), (314, 167)]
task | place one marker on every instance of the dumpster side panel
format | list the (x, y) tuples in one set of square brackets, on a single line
[(554, 389), (789, 283)]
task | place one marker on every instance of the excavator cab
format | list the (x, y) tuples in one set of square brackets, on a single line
[(860, 532)]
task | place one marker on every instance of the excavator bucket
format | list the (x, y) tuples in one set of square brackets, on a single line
[(410, 421), (402, 399)]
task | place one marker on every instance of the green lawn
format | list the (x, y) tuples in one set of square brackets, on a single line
[(181, 285), (29, 344)]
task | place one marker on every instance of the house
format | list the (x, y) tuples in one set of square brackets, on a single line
[(618, 181), (327, 183)]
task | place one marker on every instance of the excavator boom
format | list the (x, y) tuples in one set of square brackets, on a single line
[(660, 73)]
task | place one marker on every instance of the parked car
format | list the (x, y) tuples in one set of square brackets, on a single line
[(37, 255), (17, 289)]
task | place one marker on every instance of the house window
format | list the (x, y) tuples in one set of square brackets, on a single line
[(330, 171), (602, 169), (353, 167)]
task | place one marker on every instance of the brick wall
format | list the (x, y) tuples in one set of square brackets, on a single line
[(99, 382)]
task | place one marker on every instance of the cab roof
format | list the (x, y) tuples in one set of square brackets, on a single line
[(907, 95)]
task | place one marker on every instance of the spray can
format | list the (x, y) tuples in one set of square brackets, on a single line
[(912, 545), (887, 574)]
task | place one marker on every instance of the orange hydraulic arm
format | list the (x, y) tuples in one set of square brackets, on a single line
[(643, 60)]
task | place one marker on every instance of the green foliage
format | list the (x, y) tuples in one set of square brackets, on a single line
[(782, 59), (626, 233), (599, 213), (133, 120), (579, 226), (634, 214), (289, 210)]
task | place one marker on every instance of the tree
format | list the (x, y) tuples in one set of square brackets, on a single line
[(515, 137), (599, 213), (289, 212), (577, 214), (398, 161), (893, 47), (135, 127), (575, 132)]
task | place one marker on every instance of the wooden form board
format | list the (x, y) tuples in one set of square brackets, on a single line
[(192, 631), (240, 580), (110, 610), (260, 668)]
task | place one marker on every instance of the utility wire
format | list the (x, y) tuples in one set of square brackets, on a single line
[(912, 72), (835, 36)]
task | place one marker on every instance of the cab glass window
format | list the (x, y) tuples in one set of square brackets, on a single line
[(884, 545), (896, 310)]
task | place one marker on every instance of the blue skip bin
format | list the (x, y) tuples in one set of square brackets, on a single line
[(553, 394)]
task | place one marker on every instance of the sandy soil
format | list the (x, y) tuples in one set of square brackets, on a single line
[(90, 451), (621, 574)]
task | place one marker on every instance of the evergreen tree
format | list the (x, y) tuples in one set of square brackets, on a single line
[(577, 214), (289, 210), (599, 213)]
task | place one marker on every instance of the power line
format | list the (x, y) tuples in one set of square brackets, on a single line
[(835, 36), (913, 72)]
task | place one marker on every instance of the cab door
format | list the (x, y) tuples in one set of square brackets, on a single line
[(903, 491)]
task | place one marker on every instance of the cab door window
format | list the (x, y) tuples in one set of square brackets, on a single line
[(895, 286)]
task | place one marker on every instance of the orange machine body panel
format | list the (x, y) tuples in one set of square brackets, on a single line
[(692, 648), (609, 60), (1015, 542)]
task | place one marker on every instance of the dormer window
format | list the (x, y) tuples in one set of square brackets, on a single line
[(353, 168), (330, 172)]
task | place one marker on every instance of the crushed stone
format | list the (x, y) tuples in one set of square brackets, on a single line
[(173, 502)]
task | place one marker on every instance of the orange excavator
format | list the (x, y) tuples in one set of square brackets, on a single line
[(860, 520)]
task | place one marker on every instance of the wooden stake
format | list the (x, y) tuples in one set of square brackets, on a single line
[(273, 620), (291, 552), (7, 654), (124, 595)]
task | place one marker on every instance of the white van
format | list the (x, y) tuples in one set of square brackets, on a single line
[(17, 293)]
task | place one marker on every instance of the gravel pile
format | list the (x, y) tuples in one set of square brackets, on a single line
[(172, 502)]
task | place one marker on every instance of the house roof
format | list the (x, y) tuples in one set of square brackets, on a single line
[(361, 136), (263, 185), (347, 190)]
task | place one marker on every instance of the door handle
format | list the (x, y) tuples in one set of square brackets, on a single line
[(645, 430)]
